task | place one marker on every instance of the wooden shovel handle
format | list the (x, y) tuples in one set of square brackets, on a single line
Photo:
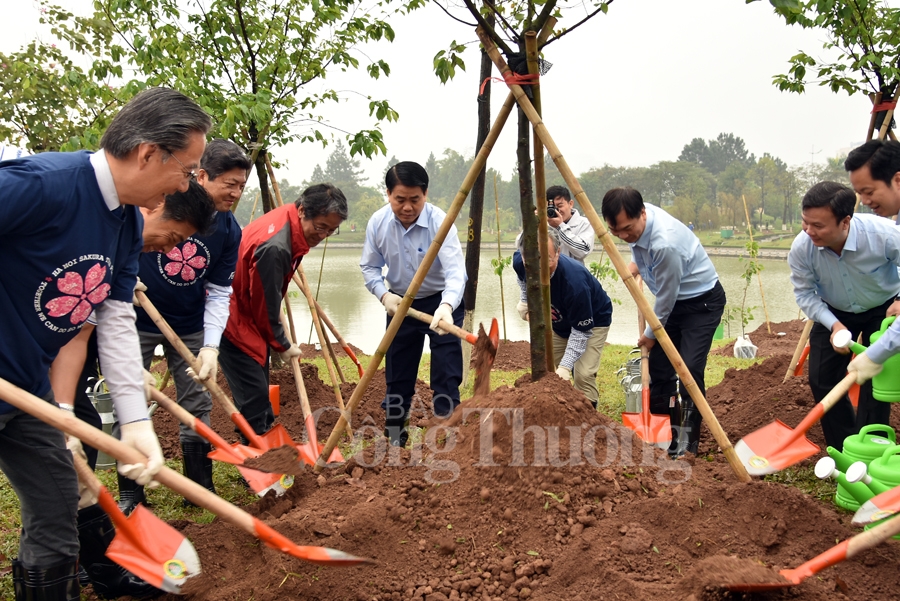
[(804, 337), (86, 474), (182, 415), (117, 449), (836, 394), (449, 327), (211, 385), (328, 324)]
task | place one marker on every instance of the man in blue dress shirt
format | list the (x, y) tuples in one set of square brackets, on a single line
[(398, 236), (844, 273), (875, 174), (689, 302)]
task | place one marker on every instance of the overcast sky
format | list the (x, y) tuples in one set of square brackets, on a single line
[(628, 88)]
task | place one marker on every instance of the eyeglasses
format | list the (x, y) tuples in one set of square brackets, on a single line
[(321, 229), (188, 173)]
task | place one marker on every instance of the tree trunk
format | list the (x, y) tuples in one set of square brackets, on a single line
[(476, 211), (531, 257), (263, 175)]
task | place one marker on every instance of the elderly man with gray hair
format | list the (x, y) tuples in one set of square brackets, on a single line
[(581, 313)]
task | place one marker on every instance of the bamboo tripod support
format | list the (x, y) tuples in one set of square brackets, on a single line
[(418, 278), (758, 277), (606, 239)]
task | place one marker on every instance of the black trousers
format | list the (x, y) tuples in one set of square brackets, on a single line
[(249, 383), (827, 368), (404, 354), (84, 409)]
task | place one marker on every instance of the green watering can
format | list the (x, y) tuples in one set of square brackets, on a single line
[(882, 475), (886, 385)]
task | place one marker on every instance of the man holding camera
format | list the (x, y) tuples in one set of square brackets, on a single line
[(576, 236)]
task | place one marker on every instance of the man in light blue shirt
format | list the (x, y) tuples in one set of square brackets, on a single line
[(844, 273), (689, 302), (398, 236)]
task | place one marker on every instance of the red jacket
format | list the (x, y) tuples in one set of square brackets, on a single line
[(271, 250)]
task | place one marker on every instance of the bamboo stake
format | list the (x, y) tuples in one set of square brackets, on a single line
[(804, 337), (588, 211), (758, 276), (318, 285), (253, 210), (418, 278), (334, 330), (323, 340), (876, 100), (287, 309), (886, 125), (500, 256), (540, 191), (274, 181)]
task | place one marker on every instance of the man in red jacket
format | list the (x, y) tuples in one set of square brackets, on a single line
[(271, 250)]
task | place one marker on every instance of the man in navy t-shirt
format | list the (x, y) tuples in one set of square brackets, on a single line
[(190, 286), (70, 235), (581, 312)]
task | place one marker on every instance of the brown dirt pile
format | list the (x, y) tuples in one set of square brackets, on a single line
[(533, 495)]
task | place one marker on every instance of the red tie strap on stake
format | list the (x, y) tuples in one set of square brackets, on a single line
[(511, 78), (884, 106)]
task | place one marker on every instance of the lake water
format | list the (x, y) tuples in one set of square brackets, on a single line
[(361, 319)]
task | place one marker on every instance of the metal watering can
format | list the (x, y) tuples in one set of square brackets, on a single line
[(629, 376), (102, 401)]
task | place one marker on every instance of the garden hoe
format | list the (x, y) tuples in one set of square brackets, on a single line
[(275, 438), (652, 429), (189, 489), (776, 446), (834, 555), (144, 545)]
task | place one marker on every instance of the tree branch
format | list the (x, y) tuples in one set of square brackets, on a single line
[(253, 74), (457, 19), (580, 23), (218, 53), (487, 27)]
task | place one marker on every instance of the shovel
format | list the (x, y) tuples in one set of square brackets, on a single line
[(144, 545), (235, 454), (776, 446), (189, 489), (834, 555), (310, 450), (276, 437), (652, 429), (878, 507)]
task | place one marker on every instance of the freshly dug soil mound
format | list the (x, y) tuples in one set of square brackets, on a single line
[(783, 339), (534, 495)]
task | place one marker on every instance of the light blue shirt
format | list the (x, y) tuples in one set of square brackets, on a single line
[(390, 244), (862, 277), (672, 263)]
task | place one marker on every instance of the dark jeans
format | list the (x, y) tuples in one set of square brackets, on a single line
[(402, 366), (827, 368), (84, 409), (34, 457), (249, 383)]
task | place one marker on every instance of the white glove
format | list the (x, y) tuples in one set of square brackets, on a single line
[(391, 302), (141, 436), (293, 351), (564, 372), (149, 384), (865, 368), (445, 313), (522, 308), (138, 287), (209, 364)]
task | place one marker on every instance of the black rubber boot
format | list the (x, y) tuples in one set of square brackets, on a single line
[(49, 583), (395, 431), (197, 466), (668, 405), (689, 436), (131, 494), (110, 580)]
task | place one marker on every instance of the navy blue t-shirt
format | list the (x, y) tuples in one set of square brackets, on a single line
[(64, 252), (175, 281), (577, 300)]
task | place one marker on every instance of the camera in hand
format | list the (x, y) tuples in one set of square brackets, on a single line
[(552, 213)]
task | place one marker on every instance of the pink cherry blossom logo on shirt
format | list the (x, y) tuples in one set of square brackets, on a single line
[(184, 261), (80, 295)]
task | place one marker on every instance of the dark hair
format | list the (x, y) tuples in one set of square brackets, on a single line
[(158, 116), (837, 197), (195, 206), (554, 192), (406, 173), (883, 159), (621, 198), (221, 156), (322, 199), (552, 232)]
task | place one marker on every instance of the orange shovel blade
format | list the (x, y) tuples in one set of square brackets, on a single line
[(878, 507), (772, 448), (652, 429), (259, 482), (149, 548)]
